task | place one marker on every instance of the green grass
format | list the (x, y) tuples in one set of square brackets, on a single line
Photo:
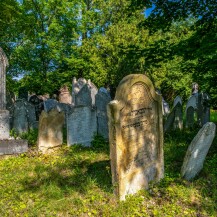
[(76, 181)]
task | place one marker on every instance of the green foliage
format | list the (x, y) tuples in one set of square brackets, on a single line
[(31, 136)]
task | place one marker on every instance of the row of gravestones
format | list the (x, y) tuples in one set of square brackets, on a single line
[(197, 105)]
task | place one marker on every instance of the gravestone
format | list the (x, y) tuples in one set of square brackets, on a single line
[(178, 114), (169, 121), (166, 108), (20, 119), (23, 93), (81, 125), (4, 124), (50, 104), (190, 111), (38, 104), (102, 99), (8, 145), (50, 135), (65, 96), (197, 151), (83, 92), (135, 135)]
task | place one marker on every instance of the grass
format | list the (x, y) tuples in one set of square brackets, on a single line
[(76, 181)]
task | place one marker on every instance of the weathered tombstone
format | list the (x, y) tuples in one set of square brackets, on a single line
[(4, 124), (50, 104), (50, 135), (81, 125), (166, 107), (102, 99), (76, 87), (190, 111), (169, 121), (38, 104), (20, 119), (7, 145), (197, 151), (65, 96), (178, 114), (31, 116), (83, 97), (83, 92), (135, 135)]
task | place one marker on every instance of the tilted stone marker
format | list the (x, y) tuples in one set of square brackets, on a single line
[(197, 151), (8, 145), (81, 125), (102, 100), (135, 135), (50, 135)]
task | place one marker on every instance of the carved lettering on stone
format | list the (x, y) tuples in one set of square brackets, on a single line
[(135, 135)]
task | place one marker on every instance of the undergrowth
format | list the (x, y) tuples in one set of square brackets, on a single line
[(76, 181)]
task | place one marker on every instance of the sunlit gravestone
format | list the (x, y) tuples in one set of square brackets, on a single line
[(135, 135), (197, 151)]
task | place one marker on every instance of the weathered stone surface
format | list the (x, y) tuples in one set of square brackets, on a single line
[(9, 147), (81, 126), (65, 95), (166, 108), (190, 111), (50, 133), (178, 116), (50, 104), (83, 92), (135, 135), (20, 119), (169, 121), (102, 100), (4, 124), (3, 65), (197, 151)]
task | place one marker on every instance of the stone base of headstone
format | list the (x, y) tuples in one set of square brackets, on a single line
[(4, 124), (13, 146)]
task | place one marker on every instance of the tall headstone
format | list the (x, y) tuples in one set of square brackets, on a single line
[(81, 125), (65, 95), (190, 111), (8, 145), (102, 99), (4, 114), (3, 65), (135, 135), (50, 134), (197, 151)]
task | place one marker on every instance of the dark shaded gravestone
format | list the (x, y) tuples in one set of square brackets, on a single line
[(24, 116), (175, 118), (197, 151), (65, 95), (50, 134), (23, 93), (8, 145), (38, 104), (190, 111), (83, 92), (81, 125), (178, 113), (102, 99), (135, 135)]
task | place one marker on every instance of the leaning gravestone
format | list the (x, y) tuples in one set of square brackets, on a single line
[(81, 125), (135, 135), (197, 151), (190, 111), (50, 134), (102, 99)]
